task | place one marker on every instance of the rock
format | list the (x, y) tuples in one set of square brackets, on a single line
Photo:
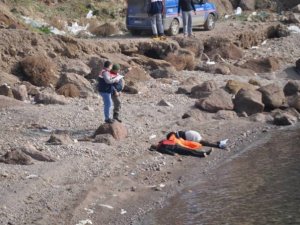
[(222, 68), (272, 96), (291, 88), (96, 64), (132, 87), (164, 103), (9, 79), (182, 60), (184, 90), (7, 102), (60, 138), (106, 29), (43, 98), (20, 92), (233, 86), (217, 100), (284, 119), (6, 91), (116, 129), (262, 65), (40, 70), (225, 115), (16, 157), (31, 89), (105, 138), (298, 66), (240, 71), (223, 47), (137, 74), (204, 89), (77, 67), (262, 118), (291, 18), (296, 9), (254, 82), (37, 155), (196, 115), (191, 44), (157, 49), (294, 101), (248, 5), (156, 68), (248, 101), (83, 85), (69, 90)]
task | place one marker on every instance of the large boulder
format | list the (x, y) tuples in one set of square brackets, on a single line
[(194, 45), (116, 129), (236, 70), (36, 154), (83, 85), (6, 78), (157, 50), (96, 64), (272, 96), (217, 100), (222, 47), (181, 60), (77, 67), (248, 4), (40, 70), (248, 101), (262, 65), (233, 86), (69, 90), (156, 68), (20, 92), (106, 29), (284, 118), (16, 157), (294, 102), (60, 138), (48, 98), (6, 91), (292, 87), (7, 102), (136, 74), (204, 89)]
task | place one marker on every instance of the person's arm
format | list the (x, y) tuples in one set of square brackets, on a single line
[(107, 78), (193, 6), (179, 6)]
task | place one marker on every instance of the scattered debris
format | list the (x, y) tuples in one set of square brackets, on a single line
[(106, 206)]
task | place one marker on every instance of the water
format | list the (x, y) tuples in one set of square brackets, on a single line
[(259, 186)]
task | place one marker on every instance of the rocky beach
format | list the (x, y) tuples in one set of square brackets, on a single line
[(59, 162)]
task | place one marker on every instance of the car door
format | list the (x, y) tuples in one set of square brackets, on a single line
[(199, 18)]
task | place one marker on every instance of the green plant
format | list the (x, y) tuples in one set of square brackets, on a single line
[(44, 29)]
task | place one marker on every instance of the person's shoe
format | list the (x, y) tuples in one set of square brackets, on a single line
[(116, 117), (109, 121), (155, 38), (163, 38), (184, 35)]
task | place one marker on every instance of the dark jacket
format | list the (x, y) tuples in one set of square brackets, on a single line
[(103, 86), (155, 6), (186, 5)]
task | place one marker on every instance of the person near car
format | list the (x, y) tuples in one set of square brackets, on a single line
[(155, 11), (186, 7)]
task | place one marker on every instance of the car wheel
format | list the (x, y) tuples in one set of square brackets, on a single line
[(210, 22), (174, 28)]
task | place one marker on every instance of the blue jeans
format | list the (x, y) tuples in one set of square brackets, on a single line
[(106, 104), (187, 22), (157, 23)]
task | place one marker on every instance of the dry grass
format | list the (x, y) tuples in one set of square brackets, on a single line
[(181, 61), (69, 90)]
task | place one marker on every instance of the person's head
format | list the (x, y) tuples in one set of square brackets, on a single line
[(115, 68), (107, 65)]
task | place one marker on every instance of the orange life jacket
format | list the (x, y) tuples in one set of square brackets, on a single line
[(191, 145)]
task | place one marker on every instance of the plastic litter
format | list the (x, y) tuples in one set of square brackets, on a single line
[(31, 176), (89, 15), (238, 11), (84, 222), (152, 136), (106, 206), (223, 143), (294, 29), (123, 211)]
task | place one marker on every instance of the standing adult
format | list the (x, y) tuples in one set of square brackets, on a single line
[(186, 6), (106, 88), (155, 11)]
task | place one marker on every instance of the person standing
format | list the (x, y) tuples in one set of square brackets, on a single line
[(106, 88), (117, 89), (186, 6), (155, 11)]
